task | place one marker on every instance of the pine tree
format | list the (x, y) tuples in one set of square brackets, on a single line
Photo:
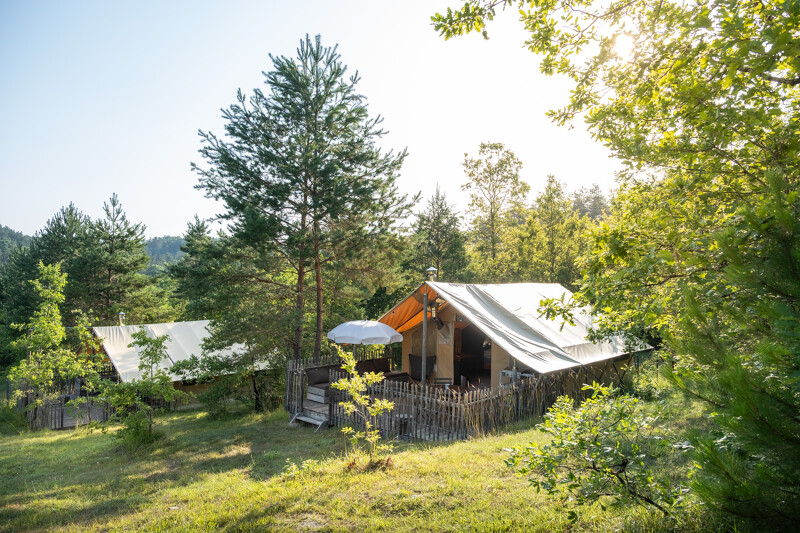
[(547, 247), (590, 202), (438, 240), (301, 175), (108, 272), (239, 289), (61, 240)]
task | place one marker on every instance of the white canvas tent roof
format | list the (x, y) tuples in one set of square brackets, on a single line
[(185, 340), (508, 315)]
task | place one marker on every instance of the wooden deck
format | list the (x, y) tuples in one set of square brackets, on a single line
[(443, 413)]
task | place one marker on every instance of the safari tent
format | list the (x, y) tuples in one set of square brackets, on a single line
[(185, 340), (490, 358), (487, 335)]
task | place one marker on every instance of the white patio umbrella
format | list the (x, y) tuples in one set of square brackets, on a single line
[(364, 332)]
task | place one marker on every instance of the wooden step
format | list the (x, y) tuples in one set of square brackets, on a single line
[(314, 415), (316, 397), (319, 391), (320, 424)]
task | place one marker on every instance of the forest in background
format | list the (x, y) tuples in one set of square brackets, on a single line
[(138, 275)]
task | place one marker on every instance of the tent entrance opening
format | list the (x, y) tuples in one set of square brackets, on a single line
[(473, 357)]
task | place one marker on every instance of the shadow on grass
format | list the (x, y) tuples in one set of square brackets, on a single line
[(54, 478), (39, 516)]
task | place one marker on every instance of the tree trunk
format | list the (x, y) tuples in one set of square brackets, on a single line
[(299, 304), (301, 289), (318, 276), (256, 393)]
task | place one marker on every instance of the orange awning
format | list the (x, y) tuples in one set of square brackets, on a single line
[(408, 313)]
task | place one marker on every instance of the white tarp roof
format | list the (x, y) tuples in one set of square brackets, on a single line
[(508, 314), (185, 340)]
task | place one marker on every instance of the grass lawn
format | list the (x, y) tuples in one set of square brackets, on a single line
[(209, 475)]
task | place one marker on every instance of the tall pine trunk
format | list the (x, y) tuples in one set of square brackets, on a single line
[(318, 276), (300, 301), (299, 304)]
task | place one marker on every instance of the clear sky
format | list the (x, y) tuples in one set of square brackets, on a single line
[(107, 97)]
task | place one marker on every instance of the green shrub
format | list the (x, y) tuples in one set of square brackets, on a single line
[(136, 431), (607, 447), (133, 401), (219, 394), (647, 381), (12, 421)]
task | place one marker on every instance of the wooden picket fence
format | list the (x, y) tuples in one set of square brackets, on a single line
[(59, 414), (438, 414)]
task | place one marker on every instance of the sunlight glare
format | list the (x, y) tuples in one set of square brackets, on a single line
[(623, 46)]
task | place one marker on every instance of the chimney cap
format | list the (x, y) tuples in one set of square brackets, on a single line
[(432, 271)]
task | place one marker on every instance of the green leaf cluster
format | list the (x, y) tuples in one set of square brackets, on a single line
[(606, 449)]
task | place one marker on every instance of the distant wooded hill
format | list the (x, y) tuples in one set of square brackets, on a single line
[(10, 239), (162, 250)]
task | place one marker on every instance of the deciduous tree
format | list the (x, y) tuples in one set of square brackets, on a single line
[(699, 100), (51, 362), (136, 401), (496, 193)]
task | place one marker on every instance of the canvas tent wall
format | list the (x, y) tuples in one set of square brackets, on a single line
[(185, 340), (508, 315)]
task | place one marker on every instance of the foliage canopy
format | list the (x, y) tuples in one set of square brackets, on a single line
[(703, 240)]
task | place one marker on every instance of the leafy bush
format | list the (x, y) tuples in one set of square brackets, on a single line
[(292, 470), (647, 382), (12, 421), (137, 432), (134, 401), (219, 394), (232, 379), (606, 447)]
